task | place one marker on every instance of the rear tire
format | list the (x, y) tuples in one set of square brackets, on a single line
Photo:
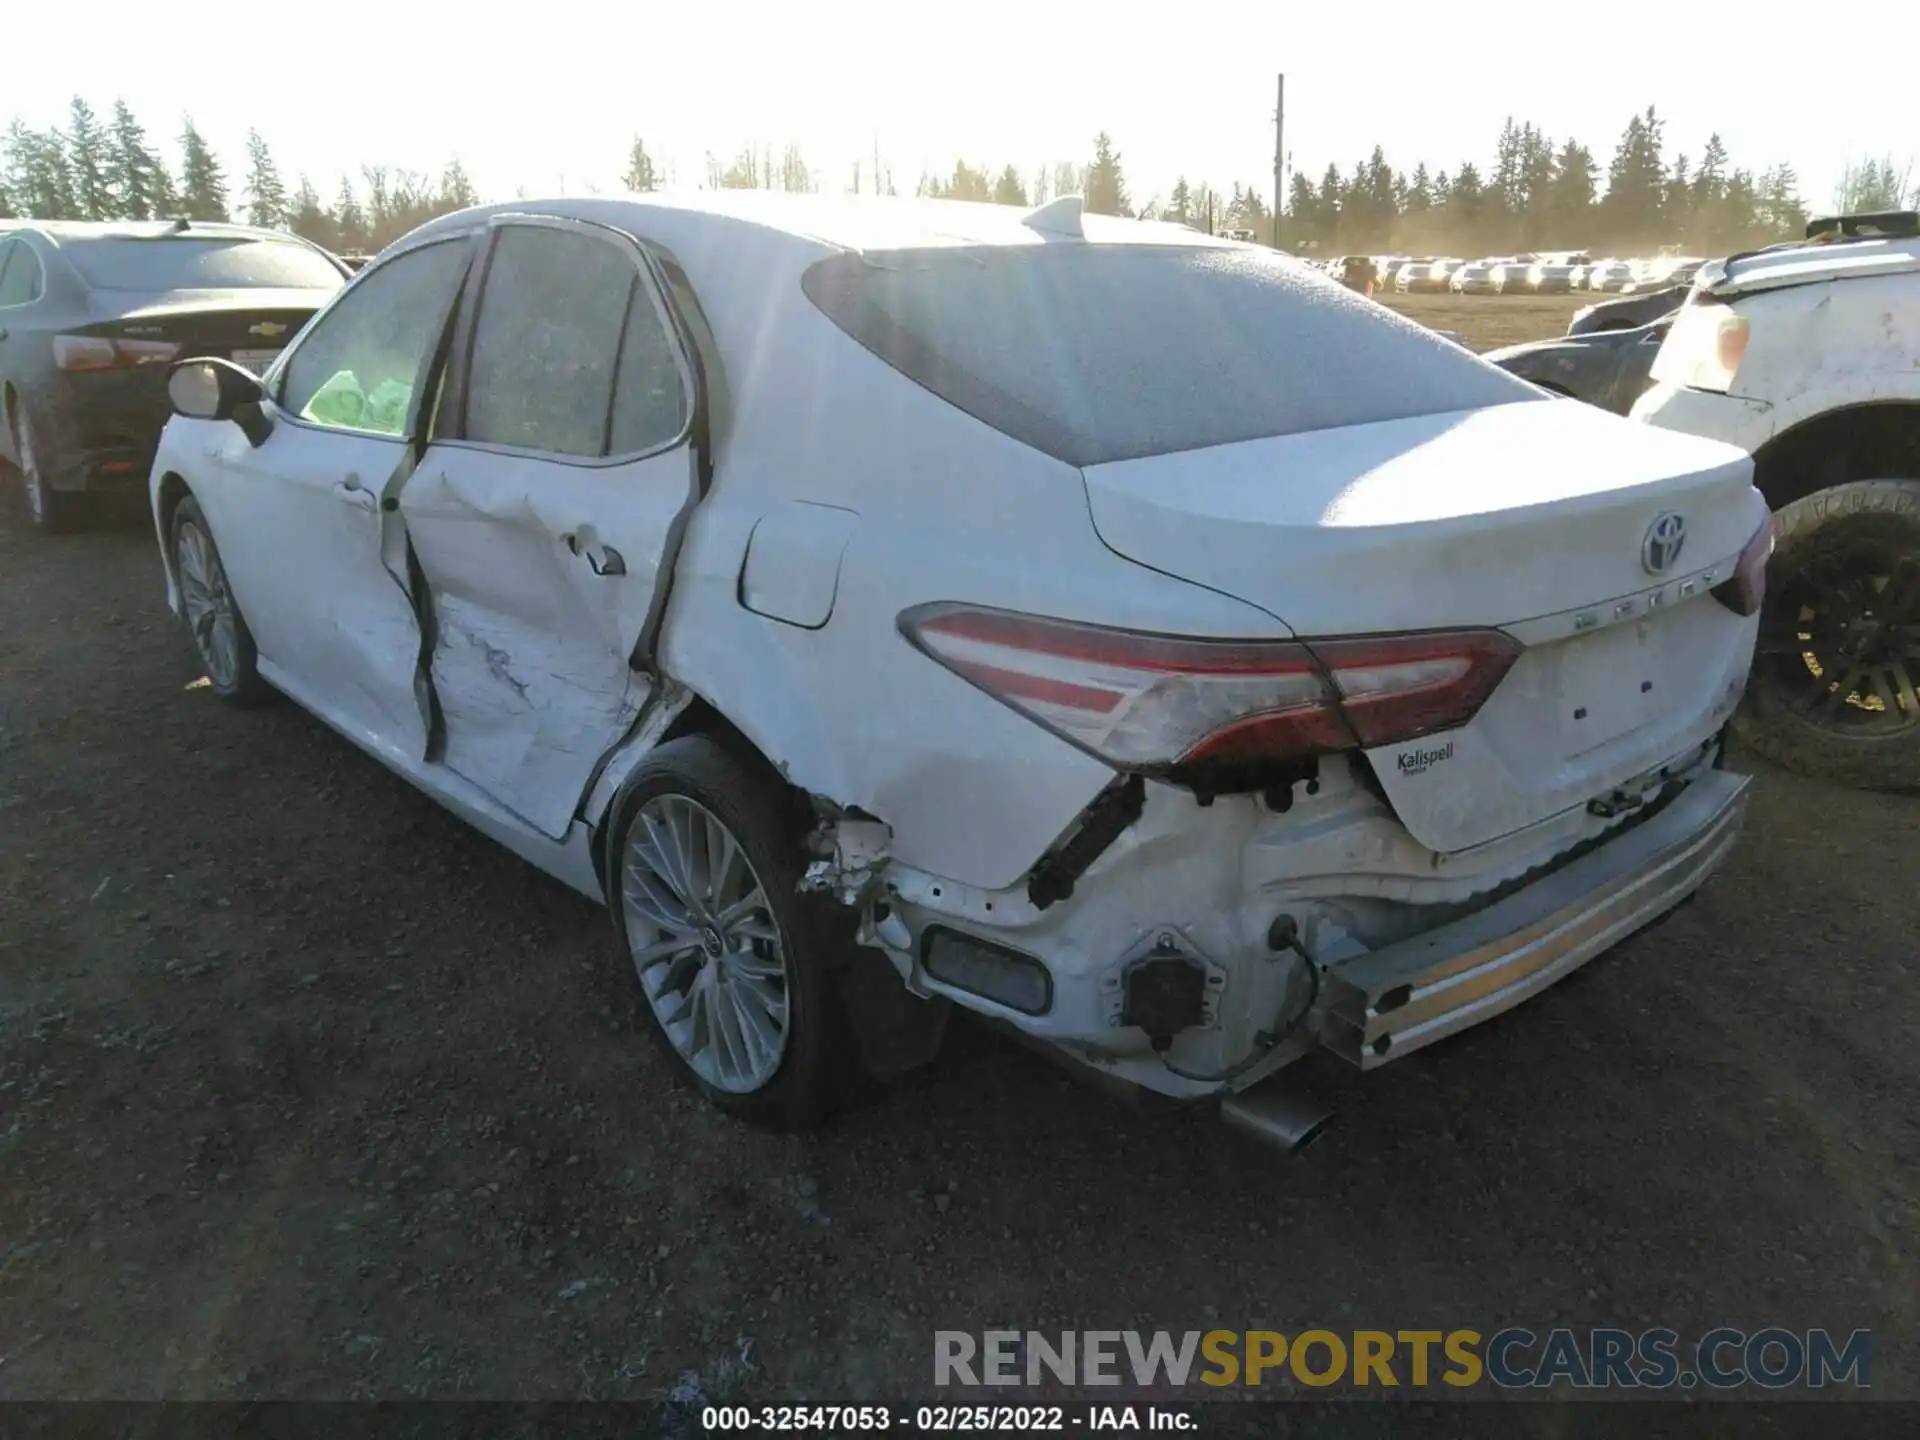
[(734, 965), (1833, 694), (220, 634)]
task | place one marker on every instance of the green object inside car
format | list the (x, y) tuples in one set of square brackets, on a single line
[(341, 402)]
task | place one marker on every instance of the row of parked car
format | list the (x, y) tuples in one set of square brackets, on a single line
[(866, 659), (1526, 274)]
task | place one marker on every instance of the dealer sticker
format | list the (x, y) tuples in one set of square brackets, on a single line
[(1423, 758)]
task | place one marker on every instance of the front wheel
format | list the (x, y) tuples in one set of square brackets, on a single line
[(212, 613), (734, 965), (1833, 691)]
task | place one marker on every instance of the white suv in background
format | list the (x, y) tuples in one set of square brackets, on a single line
[(1807, 356)]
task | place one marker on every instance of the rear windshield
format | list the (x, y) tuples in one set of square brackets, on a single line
[(199, 263), (1095, 353)]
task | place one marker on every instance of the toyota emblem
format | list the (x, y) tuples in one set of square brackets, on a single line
[(1665, 538)]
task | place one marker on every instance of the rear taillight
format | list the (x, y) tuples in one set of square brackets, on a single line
[(1743, 591), (100, 352), (1161, 702)]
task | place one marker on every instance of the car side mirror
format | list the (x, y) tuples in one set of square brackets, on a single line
[(212, 389)]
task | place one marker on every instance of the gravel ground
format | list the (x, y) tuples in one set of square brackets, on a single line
[(308, 1091)]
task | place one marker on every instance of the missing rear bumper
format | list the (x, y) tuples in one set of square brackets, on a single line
[(1398, 999)]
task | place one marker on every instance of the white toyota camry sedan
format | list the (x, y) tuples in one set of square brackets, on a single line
[(1130, 636)]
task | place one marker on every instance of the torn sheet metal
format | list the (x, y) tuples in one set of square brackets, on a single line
[(855, 851)]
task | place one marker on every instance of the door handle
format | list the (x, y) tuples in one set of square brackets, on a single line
[(350, 491), (608, 561)]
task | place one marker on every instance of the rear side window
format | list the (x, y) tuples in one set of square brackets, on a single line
[(200, 263), (548, 341), (19, 273), (1096, 353)]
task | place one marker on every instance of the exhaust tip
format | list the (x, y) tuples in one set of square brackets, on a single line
[(1287, 1121)]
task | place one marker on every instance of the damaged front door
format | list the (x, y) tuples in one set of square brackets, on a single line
[(546, 511)]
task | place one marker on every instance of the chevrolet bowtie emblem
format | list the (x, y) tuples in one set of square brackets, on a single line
[(267, 329)]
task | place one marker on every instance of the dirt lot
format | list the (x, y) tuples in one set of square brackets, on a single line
[(306, 1090), (1488, 322)]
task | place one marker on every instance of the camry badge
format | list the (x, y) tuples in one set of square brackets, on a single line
[(1663, 543), (267, 329)]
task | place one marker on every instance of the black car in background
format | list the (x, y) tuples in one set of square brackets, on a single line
[(92, 314), (1607, 368), (1629, 312)]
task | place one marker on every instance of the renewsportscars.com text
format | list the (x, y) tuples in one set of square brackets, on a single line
[(1772, 1358)]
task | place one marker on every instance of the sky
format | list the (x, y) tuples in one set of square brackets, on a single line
[(545, 97)]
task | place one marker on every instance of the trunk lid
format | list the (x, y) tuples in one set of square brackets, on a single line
[(248, 325), (1531, 517)]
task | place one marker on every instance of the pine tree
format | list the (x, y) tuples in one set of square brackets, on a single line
[(38, 180), (1504, 189), (308, 219), (1179, 208), (1467, 202), (640, 175), (349, 221), (1710, 180), (203, 185), (1106, 192), (1331, 203), (1304, 222), (266, 196), (1870, 185), (1419, 191), (1248, 211), (135, 178), (1569, 197), (1676, 204), (87, 163), (1779, 212), (1009, 189)]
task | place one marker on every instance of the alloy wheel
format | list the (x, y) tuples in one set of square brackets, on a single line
[(208, 602), (710, 956), (1840, 642)]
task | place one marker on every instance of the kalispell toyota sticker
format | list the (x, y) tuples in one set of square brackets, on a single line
[(1423, 758)]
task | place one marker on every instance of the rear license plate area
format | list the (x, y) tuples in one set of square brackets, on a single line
[(255, 360), (1607, 684)]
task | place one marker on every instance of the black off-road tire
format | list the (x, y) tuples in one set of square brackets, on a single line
[(820, 1066), (245, 687), (1868, 530)]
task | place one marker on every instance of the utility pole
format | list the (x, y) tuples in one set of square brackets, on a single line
[(1279, 154)]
